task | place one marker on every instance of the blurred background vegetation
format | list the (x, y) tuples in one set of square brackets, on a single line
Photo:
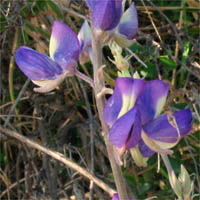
[(167, 45)]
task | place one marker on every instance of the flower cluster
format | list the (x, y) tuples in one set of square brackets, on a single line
[(66, 48), (133, 115)]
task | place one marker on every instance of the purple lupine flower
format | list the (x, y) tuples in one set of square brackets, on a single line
[(49, 72), (127, 28), (107, 15), (129, 22), (116, 196), (133, 115)]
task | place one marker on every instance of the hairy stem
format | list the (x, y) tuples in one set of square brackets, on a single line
[(172, 177), (85, 78), (100, 102), (167, 163)]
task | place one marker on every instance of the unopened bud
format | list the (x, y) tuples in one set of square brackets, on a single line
[(120, 62), (138, 158), (183, 185), (186, 183)]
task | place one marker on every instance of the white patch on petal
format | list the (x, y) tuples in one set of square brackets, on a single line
[(159, 106), (52, 46), (49, 85), (128, 102), (165, 145), (160, 147), (111, 103)]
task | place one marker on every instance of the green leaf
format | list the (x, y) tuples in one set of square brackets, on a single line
[(150, 70), (168, 63), (186, 52), (56, 9), (184, 61), (179, 105)]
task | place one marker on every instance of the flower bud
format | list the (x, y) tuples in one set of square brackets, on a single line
[(138, 158), (187, 185), (120, 62), (183, 185)]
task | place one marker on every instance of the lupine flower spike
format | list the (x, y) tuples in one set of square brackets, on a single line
[(133, 114), (49, 72)]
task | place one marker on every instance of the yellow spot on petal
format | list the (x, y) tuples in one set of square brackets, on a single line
[(49, 85), (52, 46), (128, 102), (160, 147), (160, 105), (166, 145)]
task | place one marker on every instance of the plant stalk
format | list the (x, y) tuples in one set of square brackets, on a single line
[(100, 103)]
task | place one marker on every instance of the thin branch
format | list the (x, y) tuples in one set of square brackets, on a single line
[(14, 106), (163, 8), (16, 102), (11, 66), (60, 157), (72, 12), (91, 120), (136, 57), (15, 184), (169, 21)]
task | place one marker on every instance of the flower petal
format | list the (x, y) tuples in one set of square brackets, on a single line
[(129, 23), (135, 134), (145, 150), (160, 147), (115, 196), (152, 99), (123, 99), (48, 85), (106, 14), (166, 131), (35, 65), (184, 121), (85, 39), (64, 45), (126, 130), (161, 130), (90, 3)]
